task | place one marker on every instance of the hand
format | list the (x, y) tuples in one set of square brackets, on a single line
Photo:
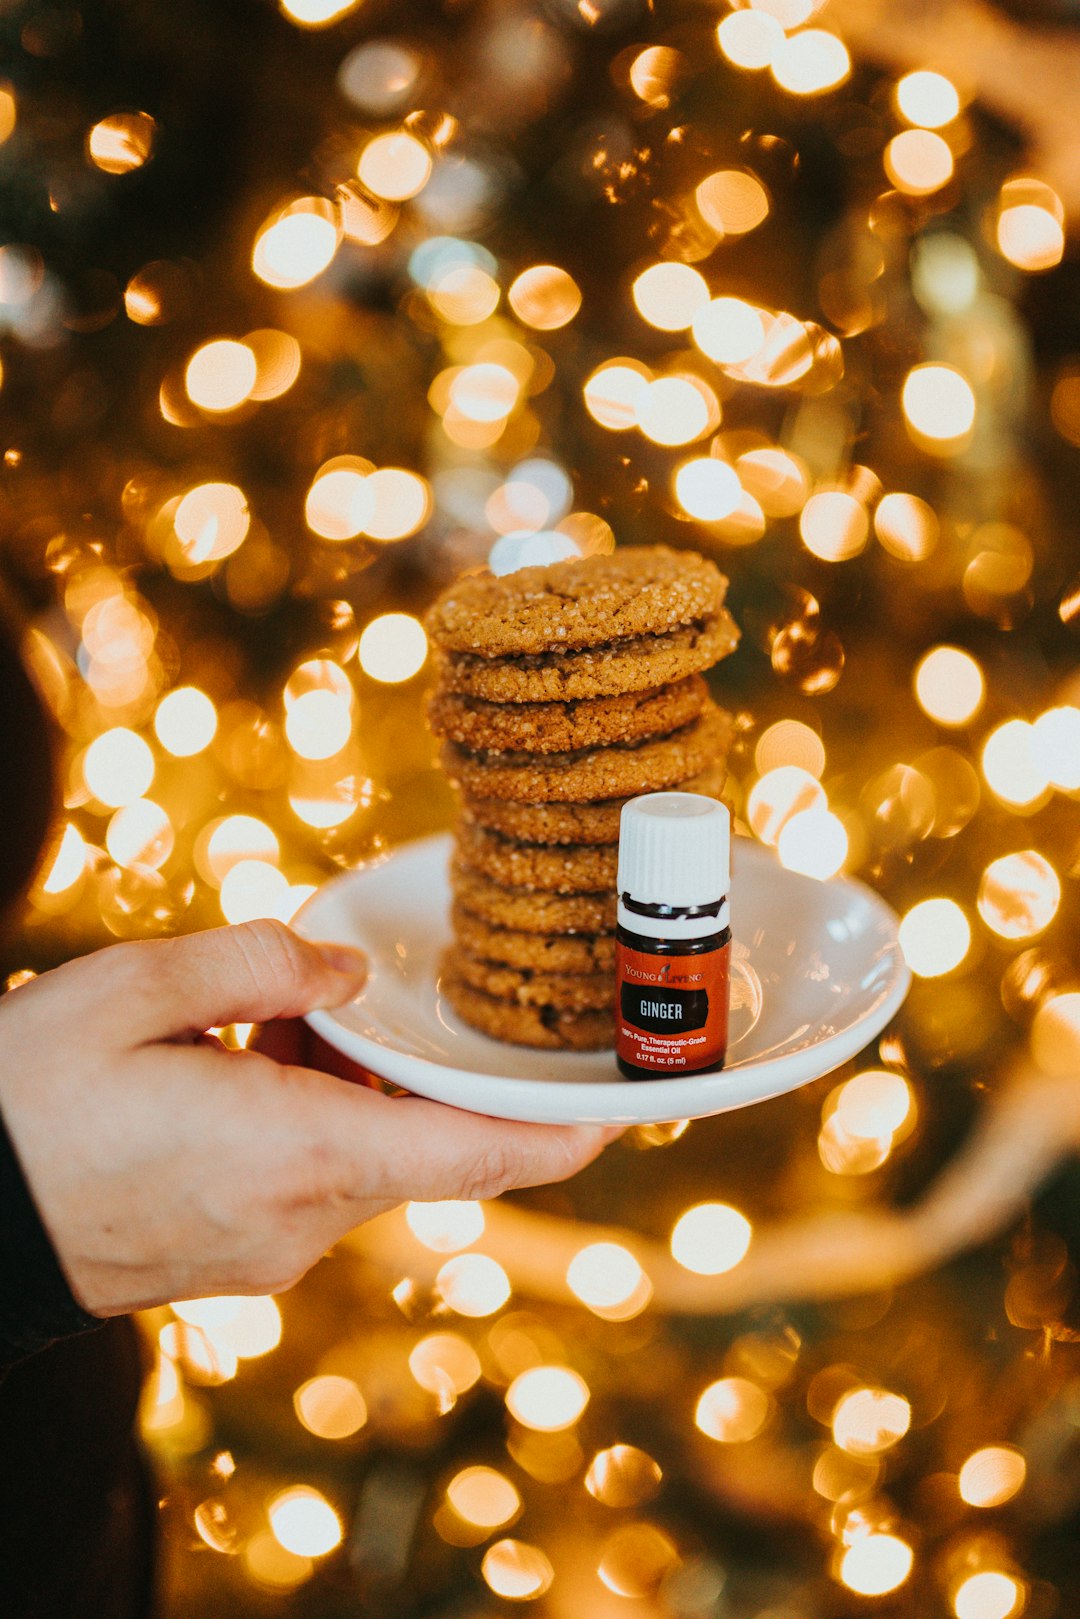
[(167, 1167)]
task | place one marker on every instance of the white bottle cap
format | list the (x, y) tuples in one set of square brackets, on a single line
[(674, 851)]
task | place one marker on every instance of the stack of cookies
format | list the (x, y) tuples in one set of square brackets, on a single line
[(562, 692)]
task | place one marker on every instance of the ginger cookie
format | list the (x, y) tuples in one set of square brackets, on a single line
[(542, 1026), (553, 953), (572, 823), (635, 664), (567, 992), (531, 910), (565, 727), (619, 771), (559, 868), (639, 590)]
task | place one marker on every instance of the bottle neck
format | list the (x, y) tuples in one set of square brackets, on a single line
[(673, 921)]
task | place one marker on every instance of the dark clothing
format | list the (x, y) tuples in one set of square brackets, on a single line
[(76, 1504)]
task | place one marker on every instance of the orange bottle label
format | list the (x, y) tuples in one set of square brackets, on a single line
[(671, 1012)]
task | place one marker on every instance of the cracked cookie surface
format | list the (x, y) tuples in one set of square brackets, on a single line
[(590, 601)]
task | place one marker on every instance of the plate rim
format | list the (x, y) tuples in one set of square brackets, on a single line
[(592, 1101)]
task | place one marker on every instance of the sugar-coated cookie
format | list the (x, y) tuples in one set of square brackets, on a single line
[(534, 952), (573, 823), (634, 664), (563, 727), (621, 770), (639, 590), (543, 1026), (567, 992), (557, 868), (531, 910)]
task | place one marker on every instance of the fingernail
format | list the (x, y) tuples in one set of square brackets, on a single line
[(343, 958)]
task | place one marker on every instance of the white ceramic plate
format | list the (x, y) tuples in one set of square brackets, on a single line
[(816, 973)]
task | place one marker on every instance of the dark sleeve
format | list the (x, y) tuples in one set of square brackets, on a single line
[(36, 1304)]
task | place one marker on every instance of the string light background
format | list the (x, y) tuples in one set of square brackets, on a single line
[(306, 309)]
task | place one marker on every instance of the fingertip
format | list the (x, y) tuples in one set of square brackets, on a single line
[(349, 968)]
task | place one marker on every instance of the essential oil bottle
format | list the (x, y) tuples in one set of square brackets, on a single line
[(673, 940)]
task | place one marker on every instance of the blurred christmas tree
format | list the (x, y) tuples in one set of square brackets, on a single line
[(301, 310)]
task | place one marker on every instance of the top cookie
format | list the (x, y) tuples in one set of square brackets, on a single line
[(640, 590)]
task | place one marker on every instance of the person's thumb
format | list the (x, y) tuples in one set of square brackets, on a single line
[(166, 988)]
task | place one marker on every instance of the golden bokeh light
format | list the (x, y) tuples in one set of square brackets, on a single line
[(547, 1398), (121, 142), (1055, 1034), (1030, 228), (732, 1410), (211, 521), (834, 525), (676, 410), (790, 742), (278, 358), (473, 1285), (988, 1595), (446, 1226), (707, 489), (939, 405), (271, 1566), (401, 503), (330, 1407), (614, 392), (868, 1421), (304, 1522), (1019, 894), (483, 1497), (949, 685), (918, 162), (669, 295), (516, 1571), (8, 112), (609, 1281), (393, 648), (340, 503), (935, 936), (927, 99), (711, 1238), (318, 724), (316, 13), (779, 482), (484, 392), (140, 834), (296, 245), (991, 1476), (544, 297), (623, 1476), (464, 295), (728, 330), (750, 39), (635, 1559), (814, 842), (253, 889), (395, 166), (1012, 765), (811, 63), (221, 375), (232, 839), (778, 795), (68, 863), (876, 1564), (1055, 744), (906, 526), (118, 767), (185, 721), (872, 1106), (444, 1361), (731, 202)]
